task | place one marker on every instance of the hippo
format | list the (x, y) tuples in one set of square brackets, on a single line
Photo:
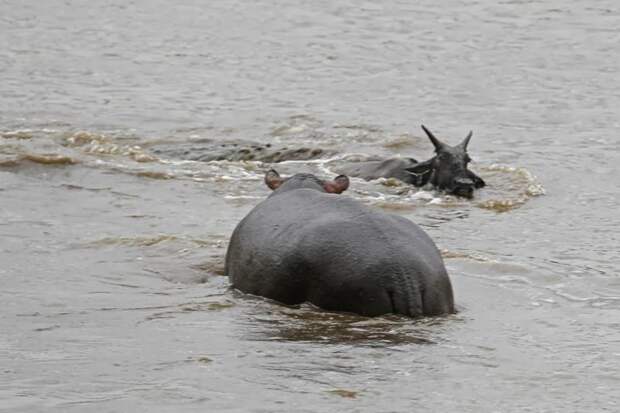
[(447, 170), (307, 243)]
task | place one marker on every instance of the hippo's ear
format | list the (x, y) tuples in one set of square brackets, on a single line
[(478, 182), (421, 173), (337, 186), (273, 179)]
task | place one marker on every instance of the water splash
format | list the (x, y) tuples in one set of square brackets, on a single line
[(100, 144), (517, 185)]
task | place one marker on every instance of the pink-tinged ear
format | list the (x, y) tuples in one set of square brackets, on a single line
[(272, 179), (338, 185)]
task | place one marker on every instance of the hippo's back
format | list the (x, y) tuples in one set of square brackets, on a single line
[(305, 245)]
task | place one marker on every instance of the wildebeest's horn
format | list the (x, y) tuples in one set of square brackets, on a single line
[(438, 145), (273, 179), (466, 140)]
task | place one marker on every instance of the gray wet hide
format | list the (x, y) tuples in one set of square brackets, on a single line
[(387, 168), (303, 244)]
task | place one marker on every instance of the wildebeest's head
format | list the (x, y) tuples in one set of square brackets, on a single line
[(336, 186), (447, 170)]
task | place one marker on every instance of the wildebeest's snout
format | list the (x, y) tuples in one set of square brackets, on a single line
[(463, 186)]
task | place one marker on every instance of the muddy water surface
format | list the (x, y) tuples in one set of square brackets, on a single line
[(134, 137)]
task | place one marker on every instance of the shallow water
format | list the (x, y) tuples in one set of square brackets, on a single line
[(115, 215)]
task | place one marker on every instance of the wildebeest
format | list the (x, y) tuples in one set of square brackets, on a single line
[(447, 170), (305, 243)]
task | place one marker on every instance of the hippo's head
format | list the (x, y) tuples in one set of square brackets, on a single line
[(447, 170), (278, 184)]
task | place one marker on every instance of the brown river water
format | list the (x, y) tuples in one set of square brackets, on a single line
[(134, 136)]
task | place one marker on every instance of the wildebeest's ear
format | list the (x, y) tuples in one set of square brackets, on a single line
[(478, 182), (273, 179), (421, 173), (338, 185)]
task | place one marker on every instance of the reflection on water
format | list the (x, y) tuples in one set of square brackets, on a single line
[(309, 324)]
